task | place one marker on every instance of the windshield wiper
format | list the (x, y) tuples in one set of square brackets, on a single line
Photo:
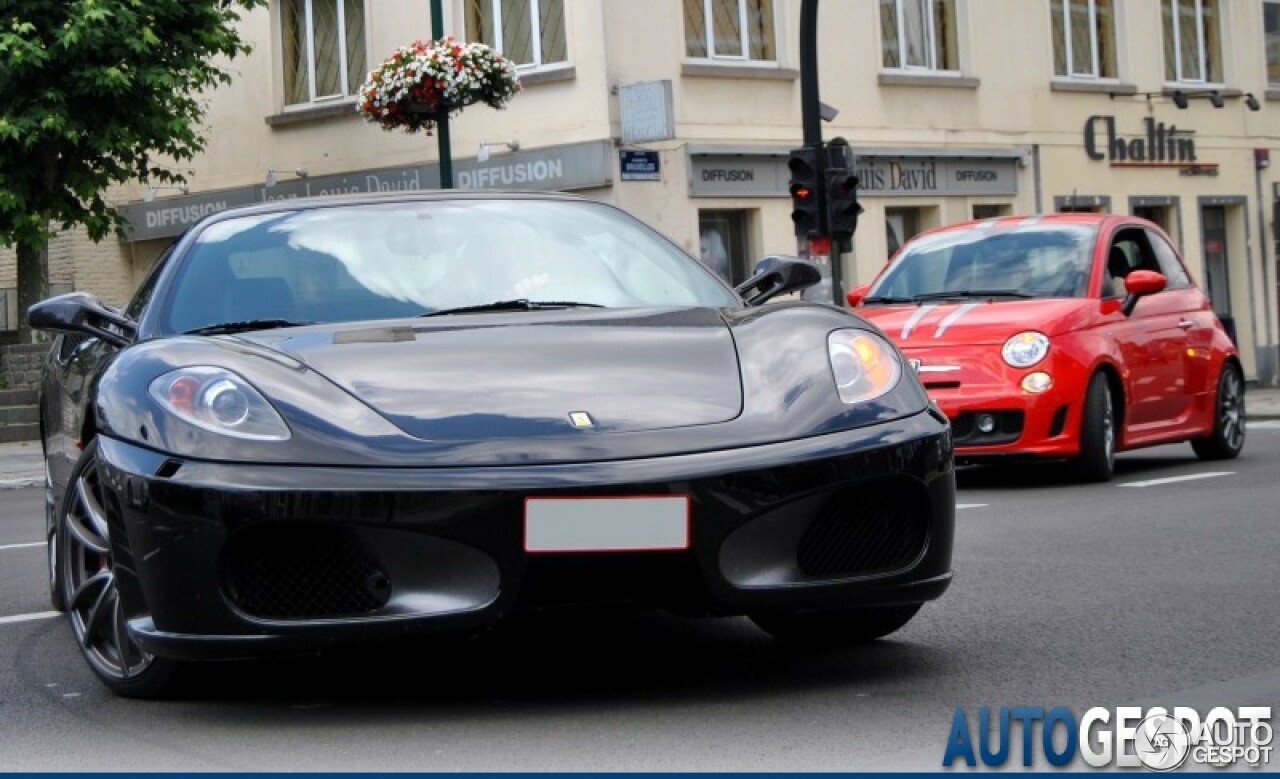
[(223, 328), (519, 304), (972, 293), (887, 299)]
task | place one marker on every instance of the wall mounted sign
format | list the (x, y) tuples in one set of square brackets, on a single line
[(555, 168), (642, 165), (766, 175), (1158, 145)]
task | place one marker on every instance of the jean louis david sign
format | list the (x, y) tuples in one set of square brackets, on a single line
[(715, 175)]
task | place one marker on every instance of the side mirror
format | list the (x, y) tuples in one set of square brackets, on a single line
[(1139, 283), (856, 295), (79, 312), (775, 276)]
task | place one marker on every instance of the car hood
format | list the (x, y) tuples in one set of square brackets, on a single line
[(497, 375), (974, 321)]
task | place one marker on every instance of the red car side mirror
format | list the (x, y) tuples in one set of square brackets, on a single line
[(1144, 282), (856, 295), (1139, 283)]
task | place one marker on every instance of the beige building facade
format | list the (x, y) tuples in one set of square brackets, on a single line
[(683, 111)]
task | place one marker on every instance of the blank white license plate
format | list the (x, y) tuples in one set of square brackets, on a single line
[(639, 524)]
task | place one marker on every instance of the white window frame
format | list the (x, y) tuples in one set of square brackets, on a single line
[(535, 32), (931, 34), (343, 72), (1095, 73), (1266, 55), (744, 36), (1200, 42)]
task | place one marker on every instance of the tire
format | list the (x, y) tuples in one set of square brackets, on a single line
[(86, 579), (1227, 439), (835, 627), (52, 545), (1096, 461)]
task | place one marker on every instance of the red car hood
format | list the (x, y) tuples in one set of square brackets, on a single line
[(975, 321)]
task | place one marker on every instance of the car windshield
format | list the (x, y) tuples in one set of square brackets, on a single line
[(987, 260), (384, 260)]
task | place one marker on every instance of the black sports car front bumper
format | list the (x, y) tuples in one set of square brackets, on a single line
[(224, 560)]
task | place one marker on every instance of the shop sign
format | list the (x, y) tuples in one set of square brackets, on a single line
[(557, 168), (1157, 146), (767, 176)]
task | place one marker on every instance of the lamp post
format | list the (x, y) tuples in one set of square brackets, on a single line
[(442, 123)]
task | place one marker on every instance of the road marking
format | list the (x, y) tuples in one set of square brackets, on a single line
[(22, 546), (1172, 479), (972, 505), (1266, 424), (30, 617)]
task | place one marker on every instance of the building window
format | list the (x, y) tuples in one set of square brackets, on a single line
[(1192, 41), (900, 226), (991, 210), (528, 32), (324, 55), (919, 34), (738, 29), (1083, 38), (1271, 23)]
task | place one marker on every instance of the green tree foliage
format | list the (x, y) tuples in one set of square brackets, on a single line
[(92, 92)]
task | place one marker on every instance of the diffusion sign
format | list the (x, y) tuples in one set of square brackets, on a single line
[(557, 168), (766, 175)]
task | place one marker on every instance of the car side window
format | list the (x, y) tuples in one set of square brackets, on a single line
[(1170, 265), (143, 294), (1129, 251)]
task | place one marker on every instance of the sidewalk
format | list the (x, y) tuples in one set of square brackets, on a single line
[(20, 464)]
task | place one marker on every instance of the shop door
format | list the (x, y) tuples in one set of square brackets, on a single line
[(1213, 227)]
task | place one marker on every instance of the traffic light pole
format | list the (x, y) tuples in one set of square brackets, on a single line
[(811, 119)]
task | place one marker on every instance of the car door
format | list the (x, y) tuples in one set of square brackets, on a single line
[(1195, 315), (1152, 340)]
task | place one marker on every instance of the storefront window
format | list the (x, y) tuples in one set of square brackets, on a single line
[(323, 47), (1192, 41), (991, 210), (723, 245), (737, 29), (919, 34), (1083, 38), (900, 226)]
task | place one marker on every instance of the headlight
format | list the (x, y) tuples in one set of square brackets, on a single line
[(864, 365), (220, 401), (1025, 349)]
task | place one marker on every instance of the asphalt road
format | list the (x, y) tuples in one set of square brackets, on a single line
[(1105, 595)]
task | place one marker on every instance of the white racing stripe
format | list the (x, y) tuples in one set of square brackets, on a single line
[(1173, 479), (32, 617), (22, 546)]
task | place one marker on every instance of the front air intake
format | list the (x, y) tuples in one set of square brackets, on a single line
[(302, 571), (864, 531)]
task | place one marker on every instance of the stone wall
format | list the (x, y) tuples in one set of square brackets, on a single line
[(20, 365)]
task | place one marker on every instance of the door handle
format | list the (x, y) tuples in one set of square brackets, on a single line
[(1186, 324)]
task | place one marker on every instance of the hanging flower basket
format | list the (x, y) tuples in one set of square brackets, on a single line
[(421, 82)]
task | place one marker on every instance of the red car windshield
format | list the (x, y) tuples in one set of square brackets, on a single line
[(985, 260)]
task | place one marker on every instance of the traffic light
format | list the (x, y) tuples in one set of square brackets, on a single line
[(842, 206), (807, 192), (841, 195)]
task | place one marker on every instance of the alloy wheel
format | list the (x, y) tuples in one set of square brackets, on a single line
[(1231, 410), (89, 583)]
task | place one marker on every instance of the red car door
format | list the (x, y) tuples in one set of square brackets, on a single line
[(1152, 341)]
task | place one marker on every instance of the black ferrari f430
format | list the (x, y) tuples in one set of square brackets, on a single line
[(335, 420)]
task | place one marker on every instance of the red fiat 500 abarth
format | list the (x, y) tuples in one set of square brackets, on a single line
[(1062, 336)]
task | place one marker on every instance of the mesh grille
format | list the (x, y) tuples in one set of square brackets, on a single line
[(864, 531), (303, 572)]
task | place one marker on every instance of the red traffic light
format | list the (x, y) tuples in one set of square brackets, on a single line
[(801, 192)]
